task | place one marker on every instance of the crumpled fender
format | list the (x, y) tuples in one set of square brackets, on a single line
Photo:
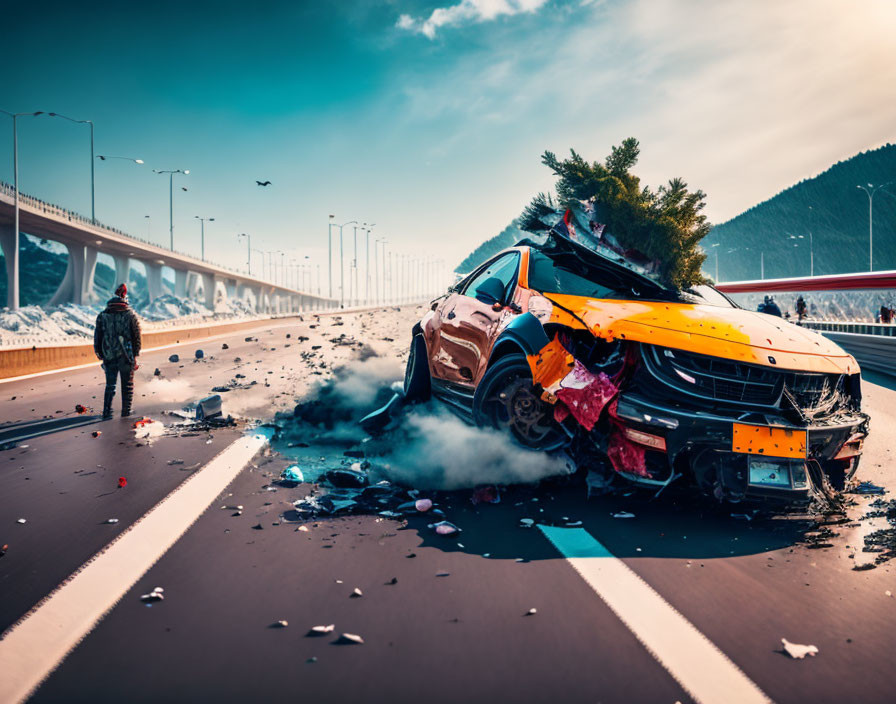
[(526, 332)]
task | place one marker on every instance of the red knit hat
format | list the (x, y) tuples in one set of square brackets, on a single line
[(122, 291)]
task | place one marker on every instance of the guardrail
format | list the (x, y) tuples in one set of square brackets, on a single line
[(879, 329), (874, 352)]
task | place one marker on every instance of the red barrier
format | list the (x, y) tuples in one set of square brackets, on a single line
[(834, 282)]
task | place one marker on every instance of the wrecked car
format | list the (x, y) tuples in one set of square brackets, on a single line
[(571, 346)]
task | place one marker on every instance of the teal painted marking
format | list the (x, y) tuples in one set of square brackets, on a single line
[(575, 542)]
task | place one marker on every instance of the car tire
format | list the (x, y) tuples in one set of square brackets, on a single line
[(506, 400), (417, 383)]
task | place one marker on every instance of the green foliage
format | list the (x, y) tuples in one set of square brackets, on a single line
[(665, 225), (831, 208)]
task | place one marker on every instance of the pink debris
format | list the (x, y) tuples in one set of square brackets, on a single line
[(626, 456), (585, 394), (423, 505)]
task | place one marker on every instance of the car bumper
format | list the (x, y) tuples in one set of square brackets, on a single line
[(752, 455)]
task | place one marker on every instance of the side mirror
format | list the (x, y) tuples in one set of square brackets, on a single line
[(491, 291)]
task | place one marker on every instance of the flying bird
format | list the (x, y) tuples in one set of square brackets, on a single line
[(263, 183)]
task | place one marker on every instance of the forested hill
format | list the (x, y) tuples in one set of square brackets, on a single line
[(508, 237), (831, 207)]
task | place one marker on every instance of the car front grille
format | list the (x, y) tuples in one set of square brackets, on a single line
[(738, 382)]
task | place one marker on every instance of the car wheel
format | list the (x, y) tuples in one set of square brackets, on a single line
[(506, 400), (417, 385)]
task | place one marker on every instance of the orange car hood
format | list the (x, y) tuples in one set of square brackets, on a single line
[(730, 333)]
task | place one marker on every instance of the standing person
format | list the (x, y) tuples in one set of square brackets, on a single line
[(801, 308), (116, 341)]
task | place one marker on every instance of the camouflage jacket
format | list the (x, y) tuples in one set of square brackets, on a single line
[(117, 332)]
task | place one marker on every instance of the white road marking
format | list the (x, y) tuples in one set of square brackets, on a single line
[(703, 670), (38, 643)]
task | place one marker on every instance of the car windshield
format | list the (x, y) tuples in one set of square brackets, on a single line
[(707, 295), (567, 274)]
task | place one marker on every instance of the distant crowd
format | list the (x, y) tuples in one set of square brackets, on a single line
[(886, 314)]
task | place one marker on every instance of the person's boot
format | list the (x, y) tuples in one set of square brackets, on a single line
[(107, 404), (127, 397)]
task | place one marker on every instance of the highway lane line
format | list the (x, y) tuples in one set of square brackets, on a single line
[(38, 643), (703, 670)]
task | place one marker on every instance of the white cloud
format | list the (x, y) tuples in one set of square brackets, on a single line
[(466, 11), (739, 99)]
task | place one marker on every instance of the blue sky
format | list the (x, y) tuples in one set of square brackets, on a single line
[(428, 118)]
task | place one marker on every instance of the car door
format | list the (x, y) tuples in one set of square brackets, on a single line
[(470, 324)]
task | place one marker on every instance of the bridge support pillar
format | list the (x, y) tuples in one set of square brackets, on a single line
[(193, 282), (208, 290), (11, 258), (77, 284), (153, 280), (180, 283), (122, 269)]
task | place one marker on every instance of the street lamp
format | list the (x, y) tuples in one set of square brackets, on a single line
[(330, 255), (171, 198), (870, 193), (368, 228), (92, 182), (342, 263), (148, 219), (717, 261), (12, 266), (248, 251), (202, 229), (103, 157)]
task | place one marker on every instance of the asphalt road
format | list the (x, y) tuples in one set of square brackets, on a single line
[(454, 626)]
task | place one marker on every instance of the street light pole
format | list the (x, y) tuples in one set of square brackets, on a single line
[(330, 255), (171, 199), (870, 194), (202, 229), (248, 251), (12, 283), (342, 263)]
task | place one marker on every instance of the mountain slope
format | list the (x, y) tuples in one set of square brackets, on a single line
[(831, 207), (508, 237)]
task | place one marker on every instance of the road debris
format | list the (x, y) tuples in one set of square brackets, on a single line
[(21, 521), (423, 505), (174, 359), (796, 651), (122, 482), (97, 433), (111, 520), (292, 474), (623, 514), (209, 407), (531, 612), (80, 410), (280, 624), (349, 639), (199, 354), (444, 528), (317, 631), (155, 595), (356, 593)]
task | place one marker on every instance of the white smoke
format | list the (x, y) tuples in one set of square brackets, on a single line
[(440, 451)]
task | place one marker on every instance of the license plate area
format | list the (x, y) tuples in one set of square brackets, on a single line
[(777, 474), (768, 441)]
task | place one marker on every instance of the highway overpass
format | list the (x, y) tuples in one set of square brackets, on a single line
[(84, 240)]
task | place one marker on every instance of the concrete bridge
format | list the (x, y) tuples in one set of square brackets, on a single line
[(84, 240)]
